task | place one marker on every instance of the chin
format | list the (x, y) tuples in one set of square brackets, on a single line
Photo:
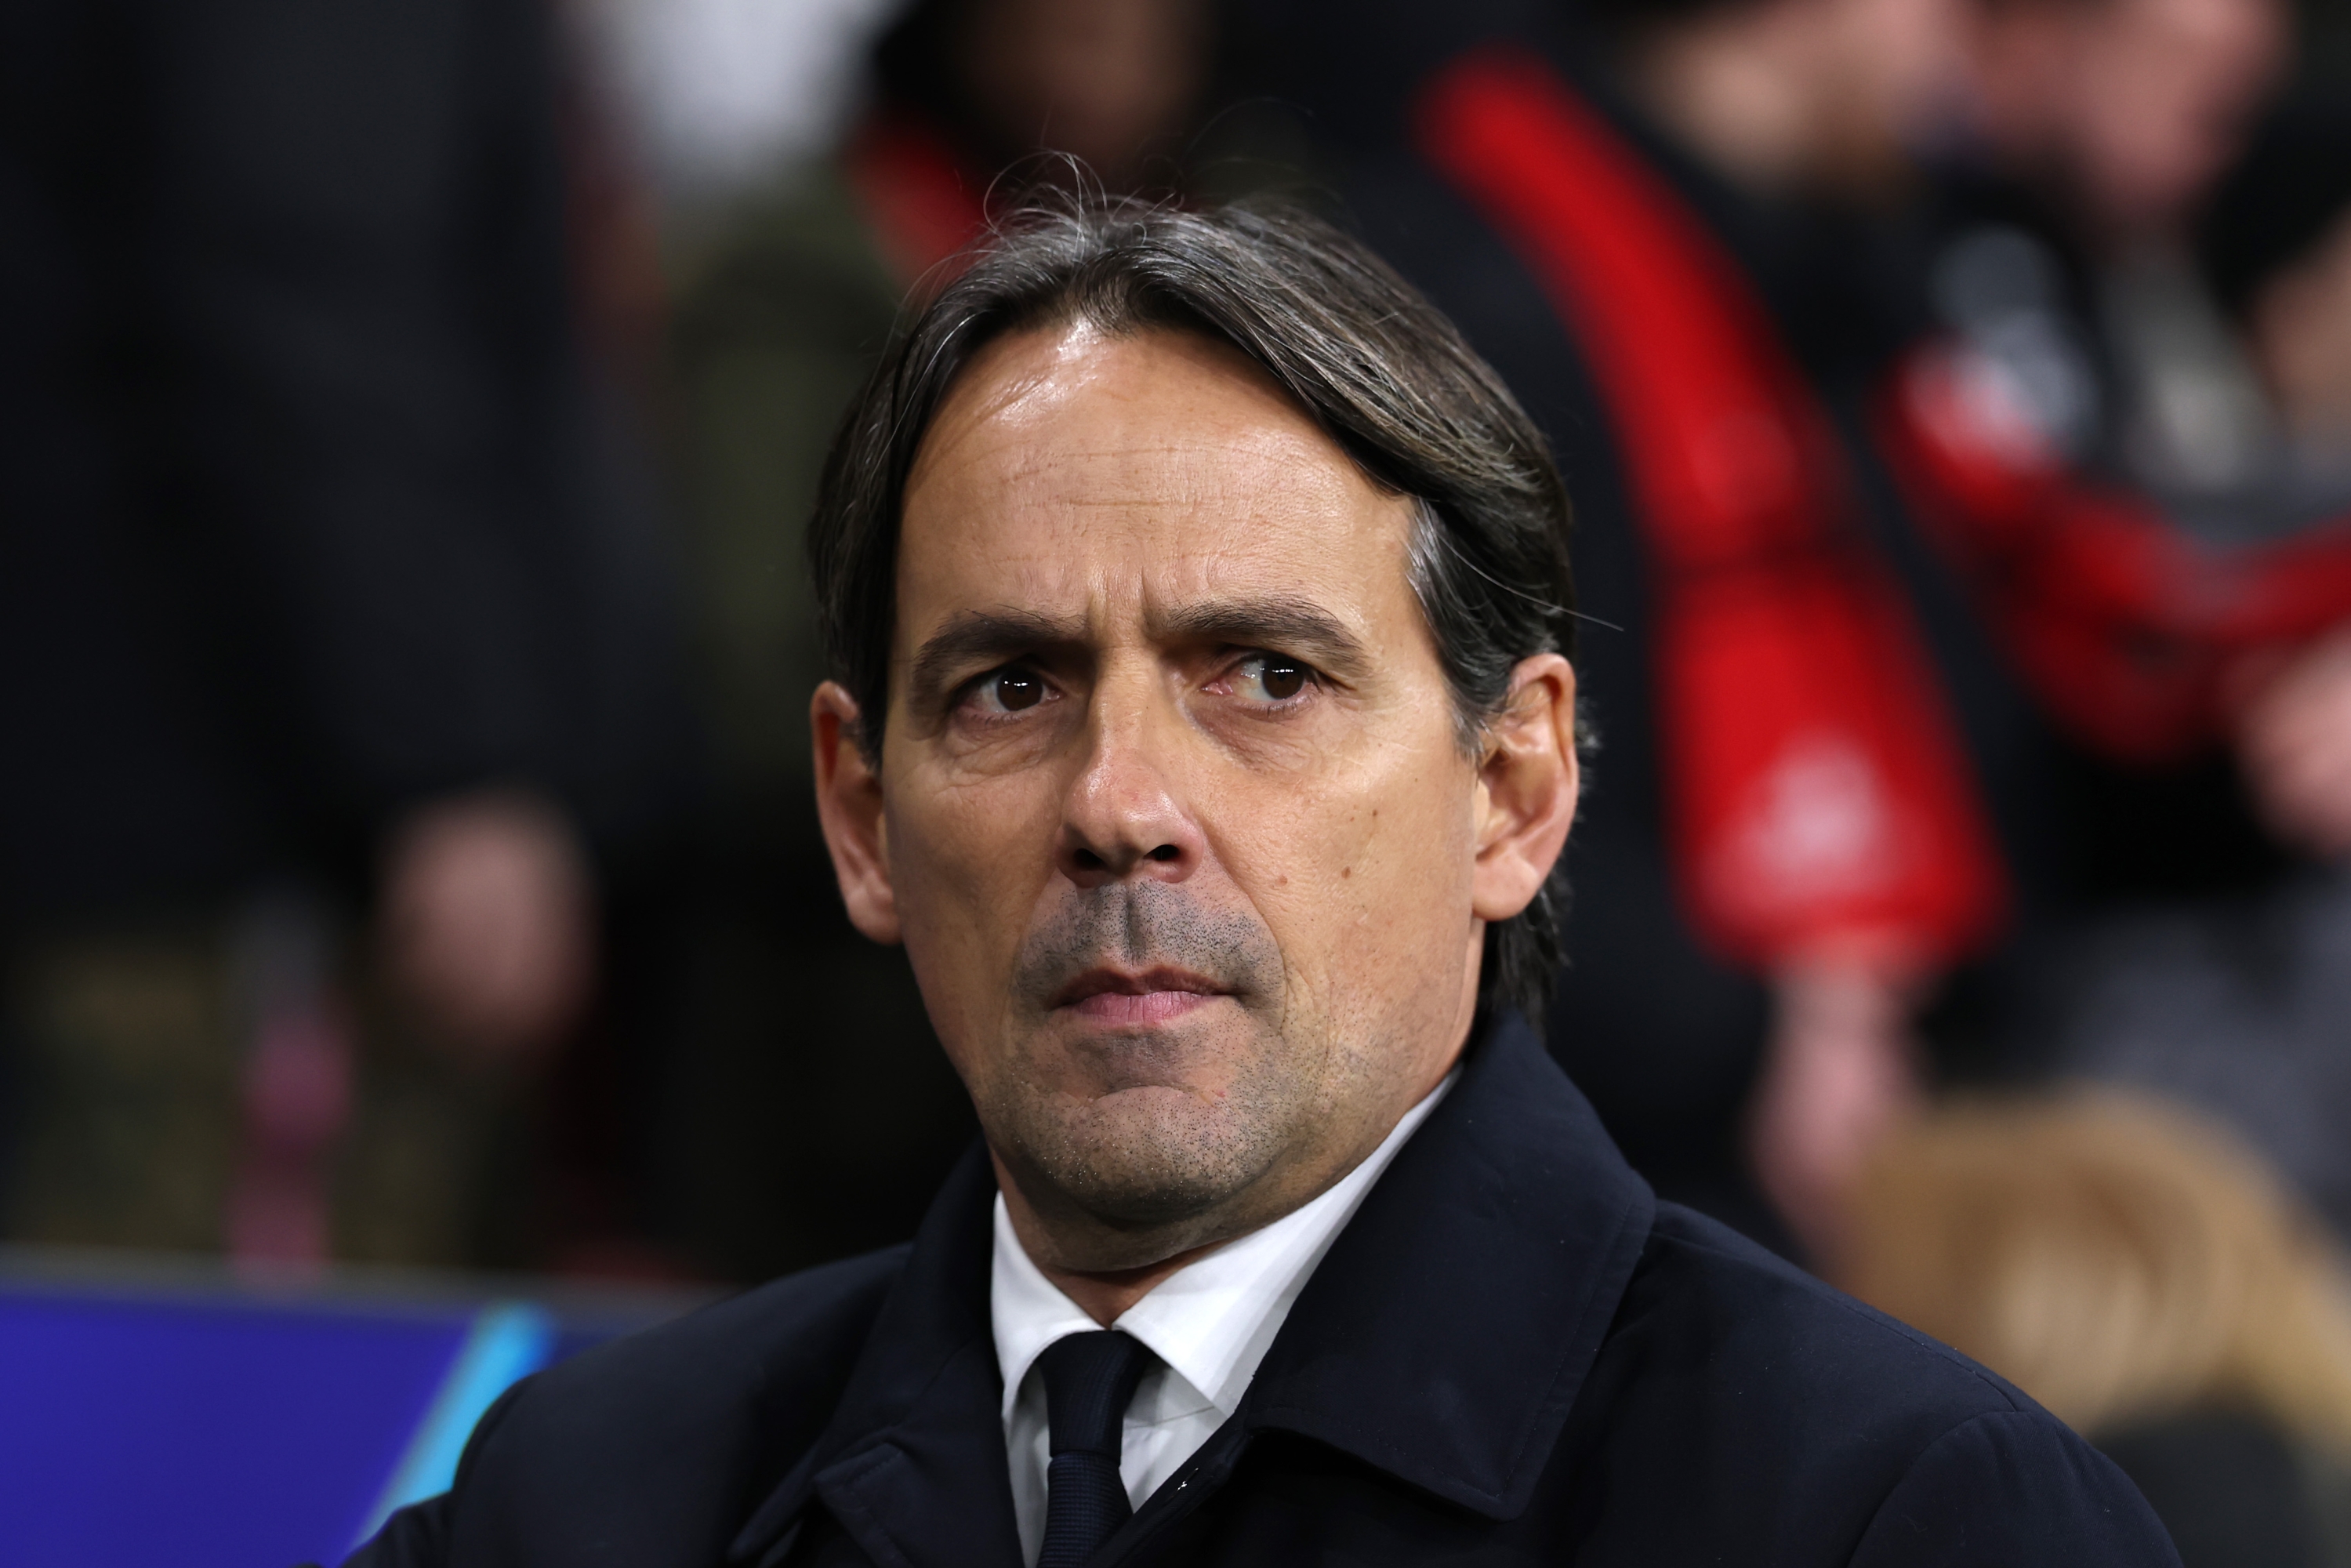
[(1149, 1156)]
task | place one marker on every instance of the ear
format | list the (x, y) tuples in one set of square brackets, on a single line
[(1527, 786), (849, 803)]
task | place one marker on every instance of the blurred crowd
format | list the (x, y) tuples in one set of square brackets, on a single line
[(408, 414)]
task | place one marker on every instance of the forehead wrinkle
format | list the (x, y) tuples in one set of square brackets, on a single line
[(1134, 528), (1271, 589), (1177, 467), (1022, 424), (1112, 553), (994, 412), (1053, 422)]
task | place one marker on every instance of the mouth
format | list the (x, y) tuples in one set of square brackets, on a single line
[(1148, 996)]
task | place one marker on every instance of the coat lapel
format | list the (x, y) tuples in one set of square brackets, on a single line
[(1446, 1333), (913, 1465)]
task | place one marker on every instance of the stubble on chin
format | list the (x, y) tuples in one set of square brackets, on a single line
[(1138, 1160), (1134, 1145)]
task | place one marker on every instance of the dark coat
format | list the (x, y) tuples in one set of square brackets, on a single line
[(1514, 1353)]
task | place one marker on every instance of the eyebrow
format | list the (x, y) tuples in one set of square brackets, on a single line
[(1296, 626), (985, 638)]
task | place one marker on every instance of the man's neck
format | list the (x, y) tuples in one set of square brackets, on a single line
[(1101, 1296), (1104, 1294)]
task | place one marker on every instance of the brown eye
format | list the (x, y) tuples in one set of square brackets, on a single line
[(1271, 678), (1016, 689)]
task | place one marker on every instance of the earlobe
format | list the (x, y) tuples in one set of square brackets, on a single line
[(1528, 784), (849, 805)]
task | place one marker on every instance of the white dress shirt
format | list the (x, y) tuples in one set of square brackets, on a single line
[(1210, 1323)]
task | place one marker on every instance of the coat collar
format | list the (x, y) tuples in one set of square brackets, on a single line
[(913, 1463), (1441, 1340), (1446, 1333)]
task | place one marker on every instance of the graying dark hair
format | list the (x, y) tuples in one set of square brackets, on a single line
[(1377, 367)]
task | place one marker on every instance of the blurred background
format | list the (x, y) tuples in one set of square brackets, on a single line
[(417, 951)]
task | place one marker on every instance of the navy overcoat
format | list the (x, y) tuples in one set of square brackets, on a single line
[(1513, 1355)]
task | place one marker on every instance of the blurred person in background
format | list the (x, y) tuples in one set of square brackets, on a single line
[(784, 1146), (2138, 462), (2148, 1280), (1661, 221), (2241, 1002), (2090, 132), (336, 676), (1845, 806)]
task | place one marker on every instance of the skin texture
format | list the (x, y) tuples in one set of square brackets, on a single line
[(1171, 813)]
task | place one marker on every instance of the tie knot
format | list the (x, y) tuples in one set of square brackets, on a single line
[(1088, 1379)]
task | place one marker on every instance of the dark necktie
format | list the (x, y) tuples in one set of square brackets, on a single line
[(1089, 1378)]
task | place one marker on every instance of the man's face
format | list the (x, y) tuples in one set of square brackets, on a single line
[(2136, 105), (1172, 814)]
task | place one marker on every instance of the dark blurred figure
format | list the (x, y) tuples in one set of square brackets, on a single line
[(2241, 1001), (336, 676), (1869, 754), (1778, 836), (780, 313), (2149, 441)]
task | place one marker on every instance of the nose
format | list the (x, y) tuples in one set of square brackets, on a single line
[(1121, 817)]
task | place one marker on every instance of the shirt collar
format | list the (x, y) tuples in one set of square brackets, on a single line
[(1442, 1338), (1212, 1320)]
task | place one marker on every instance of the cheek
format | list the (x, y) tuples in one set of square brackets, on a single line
[(967, 863), (1356, 871)]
